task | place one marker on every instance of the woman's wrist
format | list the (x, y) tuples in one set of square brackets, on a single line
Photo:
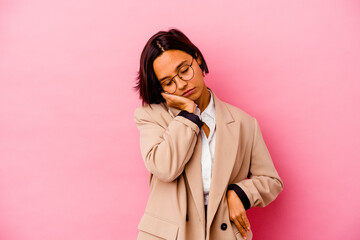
[(192, 117), (191, 108), (241, 194)]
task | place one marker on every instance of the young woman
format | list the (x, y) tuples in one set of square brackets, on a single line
[(207, 159)]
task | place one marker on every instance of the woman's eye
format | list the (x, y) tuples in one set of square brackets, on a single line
[(185, 70), (168, 83)]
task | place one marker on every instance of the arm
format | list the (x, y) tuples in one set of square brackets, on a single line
[(263, 184), (166, 151)]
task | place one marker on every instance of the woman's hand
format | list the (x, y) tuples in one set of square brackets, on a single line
[(237, 213), (179, 102)]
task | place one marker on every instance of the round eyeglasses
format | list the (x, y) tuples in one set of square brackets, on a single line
[(186, 73)]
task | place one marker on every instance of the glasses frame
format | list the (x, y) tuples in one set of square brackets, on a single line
[(172, 79)]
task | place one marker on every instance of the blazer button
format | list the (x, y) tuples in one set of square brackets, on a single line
[(223, 226), (187, 217)]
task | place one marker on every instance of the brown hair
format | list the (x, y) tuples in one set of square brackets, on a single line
[(147, 83)]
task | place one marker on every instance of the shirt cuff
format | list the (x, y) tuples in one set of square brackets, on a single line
[(241, 194), (192, 117)]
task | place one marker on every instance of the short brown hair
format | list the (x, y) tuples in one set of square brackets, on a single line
[(147, 83)]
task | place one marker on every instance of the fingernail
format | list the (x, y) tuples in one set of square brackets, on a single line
[(245, 237)]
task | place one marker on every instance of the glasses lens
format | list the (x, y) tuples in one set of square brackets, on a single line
[(169, 86), (186, 72)]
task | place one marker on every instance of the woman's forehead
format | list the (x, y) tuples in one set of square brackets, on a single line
[(168, 61)]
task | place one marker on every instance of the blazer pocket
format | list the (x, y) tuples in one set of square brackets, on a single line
[(158, 227)]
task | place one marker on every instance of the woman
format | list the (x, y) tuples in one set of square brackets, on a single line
[(207, 159)]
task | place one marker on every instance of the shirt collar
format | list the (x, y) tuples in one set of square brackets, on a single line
[(209, 110)]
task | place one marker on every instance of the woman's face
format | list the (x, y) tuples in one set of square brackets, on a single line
[(165, 68)]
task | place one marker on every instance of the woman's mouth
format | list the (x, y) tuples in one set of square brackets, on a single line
[(189, 92)]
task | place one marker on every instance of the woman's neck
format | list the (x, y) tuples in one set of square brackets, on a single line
[(203, 100)]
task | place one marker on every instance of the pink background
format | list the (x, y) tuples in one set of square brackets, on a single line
[(70, 164)]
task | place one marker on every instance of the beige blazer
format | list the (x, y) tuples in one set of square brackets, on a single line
[(171, 149)]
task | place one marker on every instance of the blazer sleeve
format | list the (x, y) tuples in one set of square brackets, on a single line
[(263, 184), (166, 149)]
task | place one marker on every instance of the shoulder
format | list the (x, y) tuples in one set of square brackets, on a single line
[(149, 110), (239, 114), (247, 123), (153, 113)]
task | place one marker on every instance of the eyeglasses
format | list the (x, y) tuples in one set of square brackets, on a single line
[(186, 73)]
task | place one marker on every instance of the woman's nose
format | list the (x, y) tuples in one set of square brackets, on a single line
[(180, 83)]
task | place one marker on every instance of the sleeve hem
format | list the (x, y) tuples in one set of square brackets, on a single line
[(241, 194), (192, 117)]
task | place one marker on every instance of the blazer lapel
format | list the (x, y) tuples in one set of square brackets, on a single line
[(194, 177), (226, 147)]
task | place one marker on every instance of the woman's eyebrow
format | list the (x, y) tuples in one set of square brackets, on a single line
[(177, 68)]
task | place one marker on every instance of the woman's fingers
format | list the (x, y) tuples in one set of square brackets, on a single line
[(241, 221), (180, 102), (240, 227), (237, 213), (171, 98), (245, 221)]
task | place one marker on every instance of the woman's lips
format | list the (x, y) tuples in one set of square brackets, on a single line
[(187, 93)]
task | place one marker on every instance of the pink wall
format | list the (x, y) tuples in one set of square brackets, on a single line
[(70, 166)]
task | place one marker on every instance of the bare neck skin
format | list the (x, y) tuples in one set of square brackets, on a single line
[(203, 100)]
